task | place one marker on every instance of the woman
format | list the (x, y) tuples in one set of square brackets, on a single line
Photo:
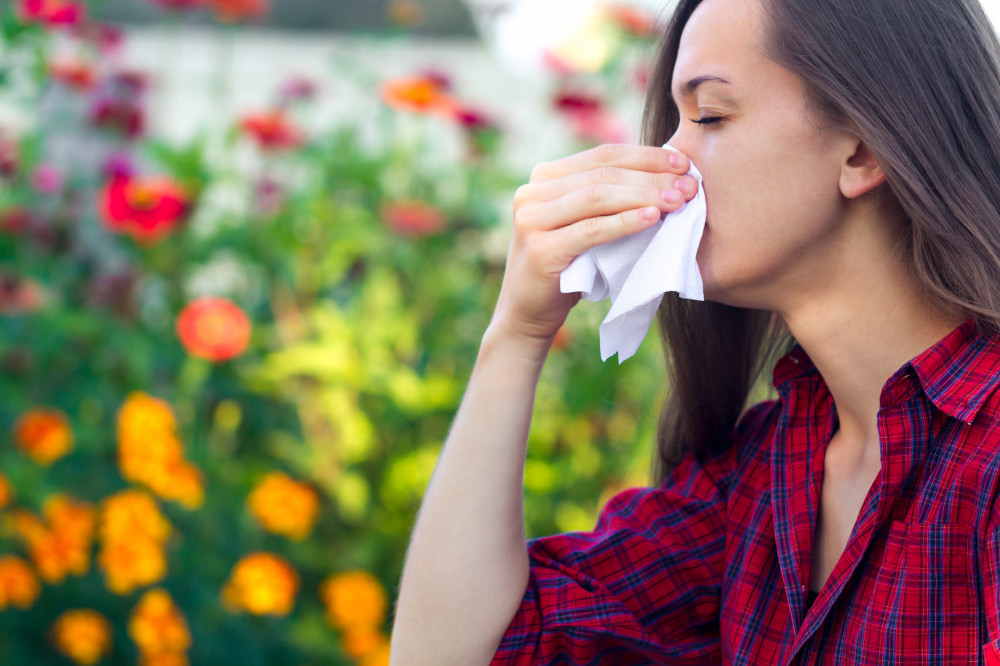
[(849, 152)]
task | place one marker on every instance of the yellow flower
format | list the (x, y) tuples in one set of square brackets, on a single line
[(354, 598), (65, 514), (142, 416), (361, 640), (131, 514), (82, 635), (261, 583), (157, 626), (180, 481), (6, 491), (44, 434), (131, 563), (18, 585), (284, 506)]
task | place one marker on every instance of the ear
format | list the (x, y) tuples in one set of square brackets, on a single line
[(860, 172)]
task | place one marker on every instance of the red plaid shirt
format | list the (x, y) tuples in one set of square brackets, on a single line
[(713, 565)]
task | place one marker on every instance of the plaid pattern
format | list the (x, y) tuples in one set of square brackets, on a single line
[(713, 565)]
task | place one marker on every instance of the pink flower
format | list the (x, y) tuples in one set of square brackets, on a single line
[(297, 88), (47, 179), (52, 13)]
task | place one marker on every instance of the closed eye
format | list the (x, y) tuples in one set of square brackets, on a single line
[(707, 120)]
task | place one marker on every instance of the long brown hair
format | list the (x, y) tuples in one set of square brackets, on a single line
[(919, 83)]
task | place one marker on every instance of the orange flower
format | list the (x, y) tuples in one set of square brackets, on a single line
[(164, 659), (412, 217), (272, 130), (129, 564), (353, 598), (284, 506), (44, 434), (213, 328), (632, 20), (157, 626), (6, 491), (377, 657), (420, 94), (132, 514), (82, 635), (180, 481), (238, 10), (261, 583), (18, 585), (142, 415), (362, 639), (147, 207)]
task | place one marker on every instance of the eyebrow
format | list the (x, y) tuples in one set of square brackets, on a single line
[(688, 88)]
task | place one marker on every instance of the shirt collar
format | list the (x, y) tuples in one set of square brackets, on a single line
[(957, 373)]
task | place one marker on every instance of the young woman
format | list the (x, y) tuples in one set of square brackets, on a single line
[(850, 153)]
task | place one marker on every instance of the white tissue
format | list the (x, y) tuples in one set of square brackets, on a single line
[(636, 270)]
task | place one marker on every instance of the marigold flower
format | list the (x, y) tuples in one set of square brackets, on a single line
[(6, 492), (354, 598), (44, 434), (62, 546), (132, 563), (412, 217), (66, 514), (82, 635), (157, 625), (272, 130), (283, 505), (262, 583), (362, 639), (230, 11), (147, 207), (377, 657), (420, 94), (18, 585), (132, 514), (213, 328), (53, 13), (143, 415), (164, 659), (180, 481)]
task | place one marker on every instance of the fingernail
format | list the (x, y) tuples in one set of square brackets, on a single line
[(675, 160), (671, 196)]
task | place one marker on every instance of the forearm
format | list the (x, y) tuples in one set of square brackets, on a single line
[(467, 566)]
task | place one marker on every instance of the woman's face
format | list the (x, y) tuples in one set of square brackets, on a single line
[(775, 210)]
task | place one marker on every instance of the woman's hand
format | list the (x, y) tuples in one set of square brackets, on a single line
[(569, 206)]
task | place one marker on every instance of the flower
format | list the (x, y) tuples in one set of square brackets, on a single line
[(60, 544), (147, 207), (47, 179), (297, 88), (133, 532), (164, 659), (420, 94), (73, 73), (230, 11), (377, 657), (405, 13), (213, 328), (284, 506), (412, 217), (82, 635), (354, 598), (157, 626), (44, 434), (362, 639), (6, 491), (18, 585), (632, 20), (272, 130), (262, 584), (52, 13)]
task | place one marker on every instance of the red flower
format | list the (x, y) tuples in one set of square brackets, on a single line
[(272, 130), (74, 73), (52, 13), (412, 217), (238, 10), (213, 328), (420, 94), (147, 207)]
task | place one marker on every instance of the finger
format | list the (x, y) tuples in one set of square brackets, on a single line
[(547, 190), (640, 158), (595, 201), (576, 239)]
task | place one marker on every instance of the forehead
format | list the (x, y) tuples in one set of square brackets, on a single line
[(720, 38)]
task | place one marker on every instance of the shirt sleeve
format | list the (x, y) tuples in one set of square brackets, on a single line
[(642, 587)]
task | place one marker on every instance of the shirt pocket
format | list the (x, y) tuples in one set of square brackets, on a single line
[(923, 605)]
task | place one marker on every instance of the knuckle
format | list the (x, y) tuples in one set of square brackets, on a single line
[(520, 195), (593, 193), (608, 152), (607, 174), (521, 219), (539, 172), (590, 228)]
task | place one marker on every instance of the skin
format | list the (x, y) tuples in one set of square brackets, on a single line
[(794, 227)]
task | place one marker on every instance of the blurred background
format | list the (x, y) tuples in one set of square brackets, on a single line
[(248, 250)]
